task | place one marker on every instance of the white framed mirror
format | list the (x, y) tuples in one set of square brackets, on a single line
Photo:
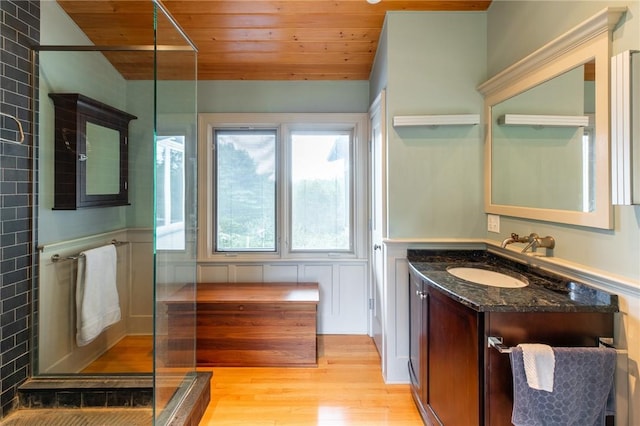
[(547, 130)]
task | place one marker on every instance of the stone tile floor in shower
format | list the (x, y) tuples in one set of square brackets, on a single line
[(80, 417)]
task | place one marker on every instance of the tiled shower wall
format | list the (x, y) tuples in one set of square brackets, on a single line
[(20, 29)]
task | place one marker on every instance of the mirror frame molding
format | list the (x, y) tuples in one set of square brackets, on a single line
[(587, 41)]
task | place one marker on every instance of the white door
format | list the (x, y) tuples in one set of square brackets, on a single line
[(376, 215)]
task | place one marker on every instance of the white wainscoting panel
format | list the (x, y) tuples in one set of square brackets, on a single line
[(281, 272), (246, 273), (398, 372), (57, 348), (351, 289), (323, 274), (141, 281), (395, 317), (212, 273)]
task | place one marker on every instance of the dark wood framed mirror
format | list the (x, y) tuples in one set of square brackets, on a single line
[(91, 153)]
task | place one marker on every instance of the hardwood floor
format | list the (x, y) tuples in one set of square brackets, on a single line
[(346, 389), (132, 354)]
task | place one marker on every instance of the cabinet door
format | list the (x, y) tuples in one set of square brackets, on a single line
[(453, 362), (418, 304)]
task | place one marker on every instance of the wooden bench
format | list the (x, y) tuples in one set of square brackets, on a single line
[(253, 324)]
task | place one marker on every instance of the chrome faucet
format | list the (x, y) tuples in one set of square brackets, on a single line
[(533, 241)]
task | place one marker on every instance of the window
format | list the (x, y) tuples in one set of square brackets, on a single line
[(245, 182), (170, 192), (321, 190), (283, 185)]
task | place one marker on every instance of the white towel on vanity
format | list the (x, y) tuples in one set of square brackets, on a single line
[(539, 365), (97, 301)]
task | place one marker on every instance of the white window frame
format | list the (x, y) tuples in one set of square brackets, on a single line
[(285, 122)]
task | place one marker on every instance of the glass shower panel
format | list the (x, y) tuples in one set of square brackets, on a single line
[(125, 346), (117, 72), (175, 209)]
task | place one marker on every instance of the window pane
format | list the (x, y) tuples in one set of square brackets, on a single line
[(170, 203), (321, 191), (245, 190)]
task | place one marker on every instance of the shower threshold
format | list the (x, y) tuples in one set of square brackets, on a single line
[(93, 398)]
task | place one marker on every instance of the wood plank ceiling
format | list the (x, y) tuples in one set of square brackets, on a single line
[(249, 39)]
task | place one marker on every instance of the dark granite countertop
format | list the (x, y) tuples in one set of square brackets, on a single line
[(546, 292)]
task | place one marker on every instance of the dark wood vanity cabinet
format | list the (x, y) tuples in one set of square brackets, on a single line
[(444, 362), (456, 379)]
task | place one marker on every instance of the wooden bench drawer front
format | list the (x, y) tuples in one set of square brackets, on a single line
[(256, 335), (218, 322)]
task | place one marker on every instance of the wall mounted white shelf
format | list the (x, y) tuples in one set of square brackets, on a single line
[(544, 120), (436, 120)]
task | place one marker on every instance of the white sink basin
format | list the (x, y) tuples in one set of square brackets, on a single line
[(487, 277)]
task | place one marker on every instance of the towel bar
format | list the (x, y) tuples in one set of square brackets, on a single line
[(496, 343), (57, 258), (607, 342)]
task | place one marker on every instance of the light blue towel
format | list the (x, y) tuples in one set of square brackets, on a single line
[(583, 382)]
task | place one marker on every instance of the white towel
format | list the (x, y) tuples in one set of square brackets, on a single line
[(539, 365), (97, 301)]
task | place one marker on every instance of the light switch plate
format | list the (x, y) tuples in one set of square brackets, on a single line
[(493, 223)]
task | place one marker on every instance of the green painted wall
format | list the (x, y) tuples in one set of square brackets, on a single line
[(176, 106), (92, 75), (517, 28), (434, 174), (379, 76), (283, 96)]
